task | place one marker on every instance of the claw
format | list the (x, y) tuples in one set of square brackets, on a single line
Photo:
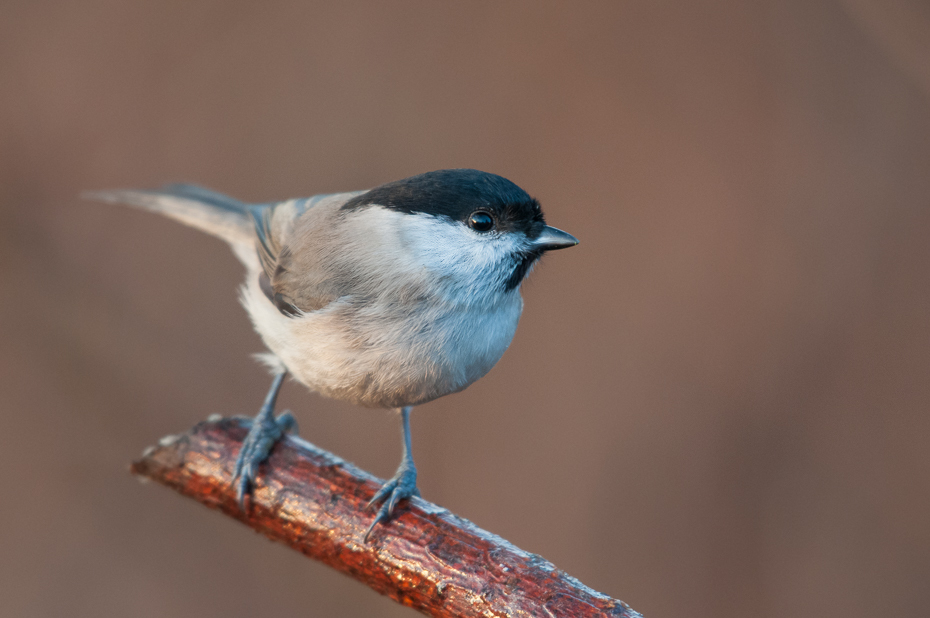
[(242, 491), (402, 485)]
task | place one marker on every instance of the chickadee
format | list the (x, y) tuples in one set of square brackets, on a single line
[(387, 298)]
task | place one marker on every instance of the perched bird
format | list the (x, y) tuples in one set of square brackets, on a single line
[(386, 298)]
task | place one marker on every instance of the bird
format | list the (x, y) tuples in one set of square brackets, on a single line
[(389, 297)]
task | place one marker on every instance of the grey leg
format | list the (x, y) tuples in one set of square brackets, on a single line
[(265, 431), (402, 485)]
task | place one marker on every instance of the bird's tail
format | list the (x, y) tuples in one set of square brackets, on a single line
[(206, 210)]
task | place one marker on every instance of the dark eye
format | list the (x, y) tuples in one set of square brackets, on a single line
[(480, 221)]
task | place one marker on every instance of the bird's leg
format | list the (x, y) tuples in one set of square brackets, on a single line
[(265, 431), (402, 485)]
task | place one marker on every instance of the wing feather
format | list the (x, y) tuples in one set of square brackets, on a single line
[(294, 286)]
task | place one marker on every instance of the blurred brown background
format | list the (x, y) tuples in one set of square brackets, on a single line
[(717, 405)]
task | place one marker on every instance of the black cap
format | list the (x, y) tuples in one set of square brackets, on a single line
[(456, 194)]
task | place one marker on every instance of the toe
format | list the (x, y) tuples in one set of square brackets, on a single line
[(396, 496), (382, 493)]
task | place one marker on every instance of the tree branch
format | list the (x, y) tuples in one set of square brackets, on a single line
[(425, 558)]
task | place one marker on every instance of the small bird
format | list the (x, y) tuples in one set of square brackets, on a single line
[(386, 298)]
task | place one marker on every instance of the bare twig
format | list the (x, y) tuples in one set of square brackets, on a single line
[(426, 558)]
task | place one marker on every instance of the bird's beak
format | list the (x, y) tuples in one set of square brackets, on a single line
[(553, 238)]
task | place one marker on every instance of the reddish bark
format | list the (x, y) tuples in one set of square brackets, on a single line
[(426, 557)]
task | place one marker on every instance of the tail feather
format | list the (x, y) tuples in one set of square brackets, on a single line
[(203, 209), (207, 196)]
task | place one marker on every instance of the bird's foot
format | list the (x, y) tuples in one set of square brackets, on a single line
[(402, 485), (266, 430)]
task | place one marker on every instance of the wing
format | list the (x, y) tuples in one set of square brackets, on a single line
[(294, 284)]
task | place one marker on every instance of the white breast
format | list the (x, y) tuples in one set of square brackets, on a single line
[(373, 357)]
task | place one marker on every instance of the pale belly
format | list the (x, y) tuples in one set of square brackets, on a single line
[(369, 357)]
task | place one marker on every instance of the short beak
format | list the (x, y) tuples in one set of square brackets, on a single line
[(553, 238)]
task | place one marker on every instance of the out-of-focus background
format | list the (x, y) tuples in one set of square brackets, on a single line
[(716, 406)]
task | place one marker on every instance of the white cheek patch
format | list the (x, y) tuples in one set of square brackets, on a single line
[(473, 262)]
